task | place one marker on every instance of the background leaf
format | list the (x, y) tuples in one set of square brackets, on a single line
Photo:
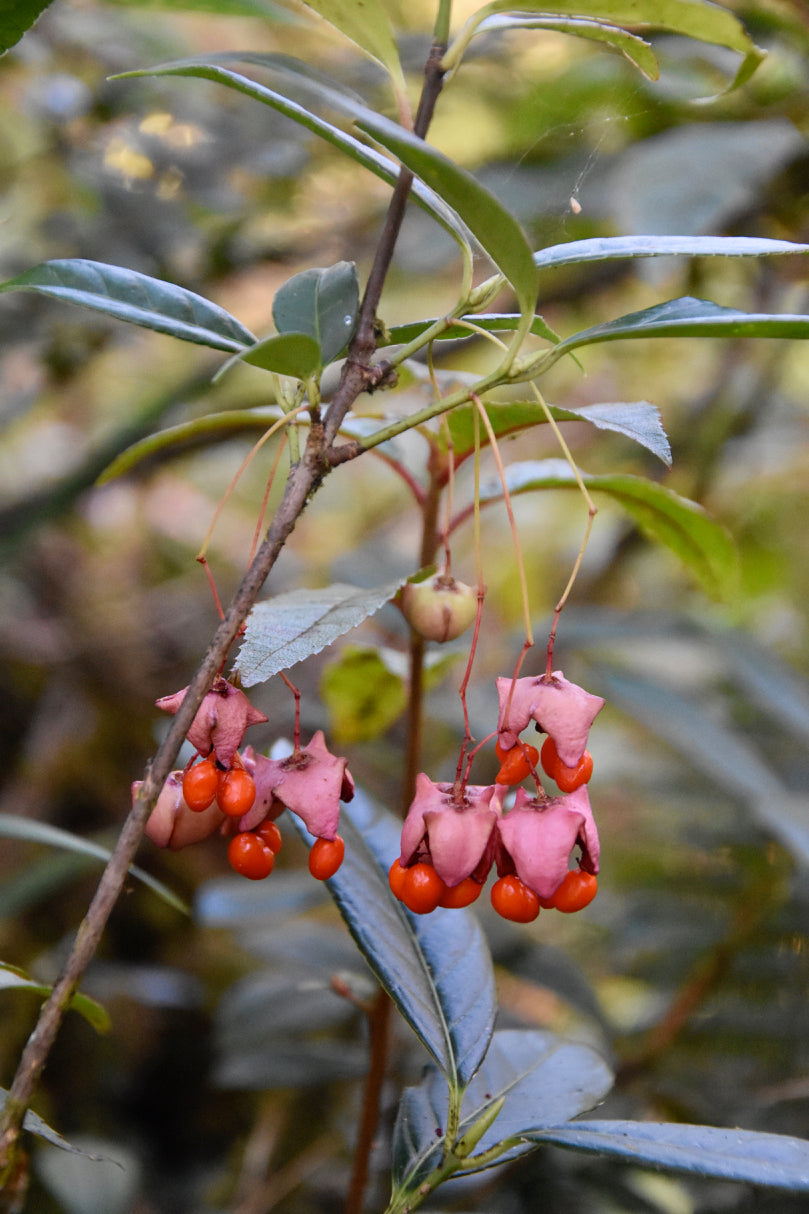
[(701, 543), (226, 8), (290, 627), (364, 697), (136, 298), (718, 752), (13, 827), (743, 1155), (436, 968), (365, 689)]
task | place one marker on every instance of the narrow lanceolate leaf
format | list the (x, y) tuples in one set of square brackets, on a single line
[(638, 420), (367, 25), (702, 544), (322, 303), (544, 1080), (93, 1013), (608, 248), (774, 1160), (216, 70), (291, 627), (725, 758), (16, 18), (490, 322), (634, 48), (199, 432), (495, 228), (685, 317), (225, 8), (697, 19), (436, 968), (136, 298), (34, 1124), (13, 827)]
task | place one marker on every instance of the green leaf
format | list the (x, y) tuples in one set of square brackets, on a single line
[(544, 1079), (12, 827), (638, 420), (363, 697), (296, 354), (635, 49), (226, 8), (322, 303), (290, 627), (199, 432), (16, 18), (495, 228), (365, 689), (685, 317), (696, 19), (369, 158), (366, 24), (702, 544), (436, 968), (606, 248), (774, 1160), (501, 322), (136, 298), (40, 880), (12, 978), (497, 231)]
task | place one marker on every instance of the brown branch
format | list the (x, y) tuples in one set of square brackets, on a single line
[(379, 1022)]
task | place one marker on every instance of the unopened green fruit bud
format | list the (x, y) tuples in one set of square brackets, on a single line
[(439, 608)]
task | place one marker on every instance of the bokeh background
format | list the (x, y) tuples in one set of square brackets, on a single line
[(230, 1079)]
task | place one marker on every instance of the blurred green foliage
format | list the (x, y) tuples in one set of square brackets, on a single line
[(232, 1062)]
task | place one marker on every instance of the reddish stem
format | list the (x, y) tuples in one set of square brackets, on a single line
[(467, 734), (296, 737), (203, 560)]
